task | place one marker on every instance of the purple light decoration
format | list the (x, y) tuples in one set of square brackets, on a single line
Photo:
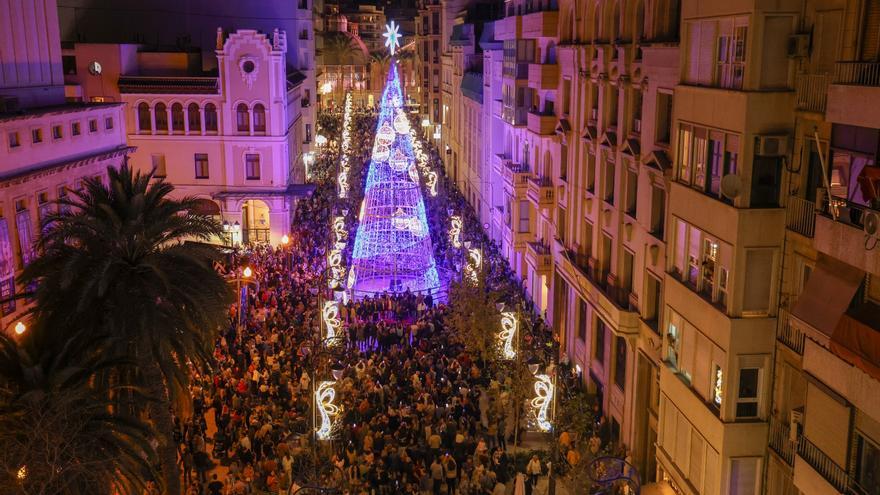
[(392, 249)]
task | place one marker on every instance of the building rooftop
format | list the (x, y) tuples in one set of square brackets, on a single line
[(169, 84), (54, 109)]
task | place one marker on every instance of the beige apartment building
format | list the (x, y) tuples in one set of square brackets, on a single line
[(690, 193)]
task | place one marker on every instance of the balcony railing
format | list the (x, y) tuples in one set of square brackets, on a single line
[(256, 236), (824, 465), (857, 73), (800, 216), (781, 441), (598, 277), (811, 91), (791, 336)]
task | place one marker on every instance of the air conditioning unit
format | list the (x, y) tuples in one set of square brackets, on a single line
[(795, 423), (771, 145), (871, 221), (798, 46)]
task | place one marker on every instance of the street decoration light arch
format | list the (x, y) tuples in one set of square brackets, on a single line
[(507, 335)]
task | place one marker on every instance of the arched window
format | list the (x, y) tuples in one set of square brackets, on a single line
[(144, 123), (259, 118), (195, 120), (243, 118), (210, 117), (161, 117), (177, 117)]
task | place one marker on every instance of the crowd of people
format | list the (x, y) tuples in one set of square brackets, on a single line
[(419, 415)]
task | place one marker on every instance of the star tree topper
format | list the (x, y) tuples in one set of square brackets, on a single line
[(392, 37)]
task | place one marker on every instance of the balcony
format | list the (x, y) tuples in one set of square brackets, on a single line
[(516, 70), (497, 108), (844, 237), (541, 191), (853, 94), (811, 92), (540, 24), (509, 28), (618, 297), (542, 124), (515, 116), (544, 76), (800, 216), (538, 254), (781, 441), (516, 175), (824, 465), (791, 336)]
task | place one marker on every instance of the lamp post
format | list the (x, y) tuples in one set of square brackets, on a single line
[(543, 386), (245, 278)]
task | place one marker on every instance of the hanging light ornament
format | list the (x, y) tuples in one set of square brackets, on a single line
[(385, 135), (324, 396), (401, 123), (330, 312), (455, 231), (381, 153), (431, 182), (544, 391), (509, 326), (399, 162), (474, 265)]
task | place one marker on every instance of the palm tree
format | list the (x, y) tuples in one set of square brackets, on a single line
[(59, 433), (116, 263)]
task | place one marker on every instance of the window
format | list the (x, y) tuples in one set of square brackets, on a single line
[(177, 118), (523, 216), (710, 259), (626, 278), (566, 96), (194, 118), (14, 140), (68, 64), (632, 194), (259, 118), (747, 395), (636, 123), (252, 166), (744, 476), (620, 362), (591, 172), (56, 132), (867, 464), (161, 117), (658, 211), (664, 117), (673, 339), (721, 298), (651, 307), (74, 129), (308, 133), (108, 123), (705, 156), (201, 162), (730, 60), (608, 181), (582, 320), (243, 118), (210, 117), (36, 135), (143, 114), (158, 165), (93, 125), (599, 348)]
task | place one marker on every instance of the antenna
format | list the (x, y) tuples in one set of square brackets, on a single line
[(731, 186)]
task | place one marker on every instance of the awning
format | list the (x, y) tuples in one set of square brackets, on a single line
[(827, 294), (207, 207), (858, 344)]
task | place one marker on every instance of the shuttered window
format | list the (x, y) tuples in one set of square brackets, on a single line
[(871, 31), (744, 476)]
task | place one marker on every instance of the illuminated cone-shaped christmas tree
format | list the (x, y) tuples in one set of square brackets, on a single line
[(392, 249)]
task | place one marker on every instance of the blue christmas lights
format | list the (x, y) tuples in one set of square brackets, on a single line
[(392, 248)]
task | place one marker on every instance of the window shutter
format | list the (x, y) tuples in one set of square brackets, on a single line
[(871, 31), (826, 424), (743, 476), (759, 269), (693, 53), (707, 51)]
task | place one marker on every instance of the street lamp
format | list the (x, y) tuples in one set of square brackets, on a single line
[(247, 272), (285, 239), (20, 328)]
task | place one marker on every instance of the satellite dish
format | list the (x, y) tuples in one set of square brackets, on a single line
[(731, 186)]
